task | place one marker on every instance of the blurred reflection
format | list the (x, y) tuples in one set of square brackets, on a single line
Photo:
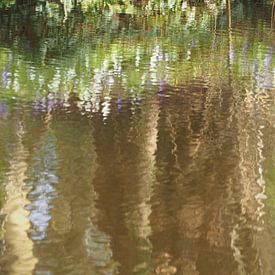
[(42, 191), (138, 141), (16, 224)]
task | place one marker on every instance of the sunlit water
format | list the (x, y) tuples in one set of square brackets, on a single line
[(137, 140)]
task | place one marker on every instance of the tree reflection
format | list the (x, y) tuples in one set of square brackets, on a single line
[(132, 152)]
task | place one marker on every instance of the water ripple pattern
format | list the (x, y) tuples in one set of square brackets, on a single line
[(137, 137)]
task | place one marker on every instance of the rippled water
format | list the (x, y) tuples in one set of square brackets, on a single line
[(137, 138)]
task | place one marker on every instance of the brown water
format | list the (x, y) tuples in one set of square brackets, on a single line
[(138, 140)]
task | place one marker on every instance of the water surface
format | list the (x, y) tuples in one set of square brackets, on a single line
[(137, 138)]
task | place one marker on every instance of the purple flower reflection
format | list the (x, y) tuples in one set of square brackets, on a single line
[(50, 104), (38, 106), (5, 73), (5, 76), (161, 88), (268, 58), (259, 80), (267, 83), (193, 45), (3, 109), (119, 103)]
